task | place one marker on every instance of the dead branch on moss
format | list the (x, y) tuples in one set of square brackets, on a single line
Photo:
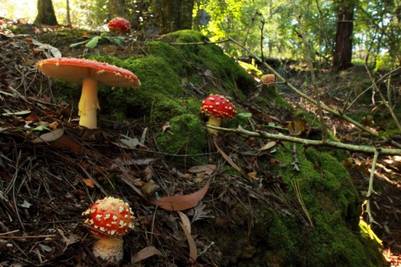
[(308, 98), (310, 142)]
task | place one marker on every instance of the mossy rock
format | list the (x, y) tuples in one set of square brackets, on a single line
[(331, 202)]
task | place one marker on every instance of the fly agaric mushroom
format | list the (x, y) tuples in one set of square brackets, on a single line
[(109, 219), (217, 107), (119, 25), (268, 79), (89, 72)]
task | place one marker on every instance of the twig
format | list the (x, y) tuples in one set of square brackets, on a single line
[(370, 188), (370, 87), (385, 101), (301, 202), (201, 43), (295, 161), (308, 98), (310, 142)]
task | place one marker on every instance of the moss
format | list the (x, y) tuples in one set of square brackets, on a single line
[(186, 135), (167, 74), (331, 201)]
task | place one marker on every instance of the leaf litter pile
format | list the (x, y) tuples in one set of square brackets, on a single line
[(51, 171)]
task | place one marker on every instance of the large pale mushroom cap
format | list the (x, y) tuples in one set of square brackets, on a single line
[(77, 69)]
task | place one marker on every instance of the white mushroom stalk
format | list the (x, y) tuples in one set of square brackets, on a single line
[(88, 104), (109, 219)]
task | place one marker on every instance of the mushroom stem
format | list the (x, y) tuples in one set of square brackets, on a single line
[(213, 121), (88, 104), (109, 249)]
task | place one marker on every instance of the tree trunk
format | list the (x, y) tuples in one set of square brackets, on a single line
[(345, 24), (68, 9), (174, 14), (117, 8), (46, 13)]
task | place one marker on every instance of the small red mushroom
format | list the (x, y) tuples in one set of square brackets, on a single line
[(109, 219), (119, 25), (217, 107)]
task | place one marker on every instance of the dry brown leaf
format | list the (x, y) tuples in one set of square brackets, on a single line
[(89, 182), (253, 175), (207, 169), (49, 137), (149, 187), (146, 253), (268, 146), (182, 202), (54, 125), (186, 227), (67, 143), (297, 127)]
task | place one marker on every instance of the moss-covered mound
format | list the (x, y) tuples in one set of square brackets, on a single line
[(317, 224), (171, 73)]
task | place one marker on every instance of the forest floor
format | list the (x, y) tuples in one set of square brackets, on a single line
[(77, 151), (339, 90)]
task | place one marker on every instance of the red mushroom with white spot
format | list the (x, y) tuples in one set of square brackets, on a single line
[(217, 107), (89, 73), (119, 25), (109, 219)]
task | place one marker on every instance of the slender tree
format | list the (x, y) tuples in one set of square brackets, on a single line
[(117, 8), (345, 25), (68, 11), (174, 14), (46, 13)]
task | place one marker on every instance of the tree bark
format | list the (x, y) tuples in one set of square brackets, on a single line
[(68, 11), (174, 15), (46, 13), (345, 25), (117, 8)]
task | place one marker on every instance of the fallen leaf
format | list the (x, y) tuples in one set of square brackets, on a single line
[(182, 202), (149, 187), (207, 169), (145, 253), (54, 125), (268, 146), (89, 182), (297, 127), (32, 118), (186, 227), (67, 143), (128, 142), (253, 175), (49, 137), (25, 204)]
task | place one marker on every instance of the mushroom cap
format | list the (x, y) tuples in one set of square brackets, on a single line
[(218, 106), (119, 24), (78, 69), (267, 79), (109, 217)]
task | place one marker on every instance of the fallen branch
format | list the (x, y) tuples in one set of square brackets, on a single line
[(370, 188), (310, 142), (308, 98)]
